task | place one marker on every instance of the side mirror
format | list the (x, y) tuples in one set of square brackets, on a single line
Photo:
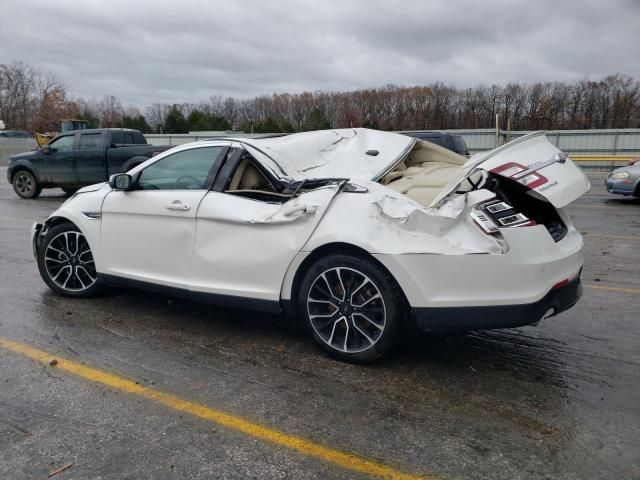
[(121, 181)]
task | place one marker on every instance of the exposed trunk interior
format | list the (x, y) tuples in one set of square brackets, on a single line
[(539, 211)]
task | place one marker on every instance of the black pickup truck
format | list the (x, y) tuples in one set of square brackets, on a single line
[(75, 159)]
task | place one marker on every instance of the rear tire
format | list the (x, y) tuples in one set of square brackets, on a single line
[(351, 307), (66, 263), (25, 184)]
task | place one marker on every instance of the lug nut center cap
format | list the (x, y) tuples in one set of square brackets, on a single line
[(346, 309)]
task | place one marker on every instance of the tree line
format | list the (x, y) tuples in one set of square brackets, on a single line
[(36, 101)]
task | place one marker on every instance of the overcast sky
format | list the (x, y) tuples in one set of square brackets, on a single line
[(185, 51)]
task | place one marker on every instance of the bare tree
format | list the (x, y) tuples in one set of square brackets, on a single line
[(34, 100), (50, 104), (17, 85), (156, 115), (110, 111)]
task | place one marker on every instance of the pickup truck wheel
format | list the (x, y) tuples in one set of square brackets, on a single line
[(25, 184), (66, 263)]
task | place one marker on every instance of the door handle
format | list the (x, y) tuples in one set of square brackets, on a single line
[(177, 205)]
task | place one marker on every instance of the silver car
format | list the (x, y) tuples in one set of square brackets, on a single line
[(624, 181)]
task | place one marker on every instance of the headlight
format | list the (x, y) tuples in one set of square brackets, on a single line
[(620, 175)]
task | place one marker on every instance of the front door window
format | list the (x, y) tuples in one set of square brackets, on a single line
[(185, 170), (62, 144)]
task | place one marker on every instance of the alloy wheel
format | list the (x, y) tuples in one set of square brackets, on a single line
[(69, 262), (24, 184), (346, 309)]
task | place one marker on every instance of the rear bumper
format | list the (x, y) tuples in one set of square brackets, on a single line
[(484, 317), (521, 276)]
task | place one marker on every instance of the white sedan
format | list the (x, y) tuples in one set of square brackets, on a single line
[(353, 231)]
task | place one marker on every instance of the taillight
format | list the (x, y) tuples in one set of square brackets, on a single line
[(483, 221), (561, 284), (496, 214)]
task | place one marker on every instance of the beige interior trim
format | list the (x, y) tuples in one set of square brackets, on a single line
[(247, 177), (424, 151), (425, 172)]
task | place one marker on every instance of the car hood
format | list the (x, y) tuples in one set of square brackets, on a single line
[(355, 153), (23, 156), (632, 169), (92, 188)]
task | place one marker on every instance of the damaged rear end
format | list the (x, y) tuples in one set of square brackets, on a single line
[(521, 257), (472, 243), (532, 181)]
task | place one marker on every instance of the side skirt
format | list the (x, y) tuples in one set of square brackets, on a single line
[(232, 301)]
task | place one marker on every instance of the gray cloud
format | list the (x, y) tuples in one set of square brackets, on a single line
[(163, 51)]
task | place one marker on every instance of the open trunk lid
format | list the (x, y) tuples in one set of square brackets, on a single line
[(533, 161)]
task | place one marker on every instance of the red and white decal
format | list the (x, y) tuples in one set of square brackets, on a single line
[(512, 170)]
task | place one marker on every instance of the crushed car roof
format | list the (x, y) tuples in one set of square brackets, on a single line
[(347, 153)]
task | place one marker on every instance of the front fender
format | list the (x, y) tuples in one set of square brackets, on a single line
[(24, 164), (84, 210)]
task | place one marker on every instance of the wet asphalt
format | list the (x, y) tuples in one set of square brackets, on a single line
[(560, 400)]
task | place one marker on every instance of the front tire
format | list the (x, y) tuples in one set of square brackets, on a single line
[(66, 262), (351, 306), (25, 184)]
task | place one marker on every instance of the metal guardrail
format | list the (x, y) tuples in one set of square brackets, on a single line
[(591, 149), (601, 163), (13, 146)]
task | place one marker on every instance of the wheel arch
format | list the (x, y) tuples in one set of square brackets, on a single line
[(58, 220), (291, 289), (134, 162), (51, 222), (73, 260), (25, 166)]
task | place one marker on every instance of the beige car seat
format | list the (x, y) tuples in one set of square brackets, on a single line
[(427, 170), (248, 177)]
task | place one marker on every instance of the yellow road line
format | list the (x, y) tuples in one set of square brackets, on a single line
[(614, 289), (342, 459), (586, 205), (614, 237)]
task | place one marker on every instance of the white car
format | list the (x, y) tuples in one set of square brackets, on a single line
[(354, 231)]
